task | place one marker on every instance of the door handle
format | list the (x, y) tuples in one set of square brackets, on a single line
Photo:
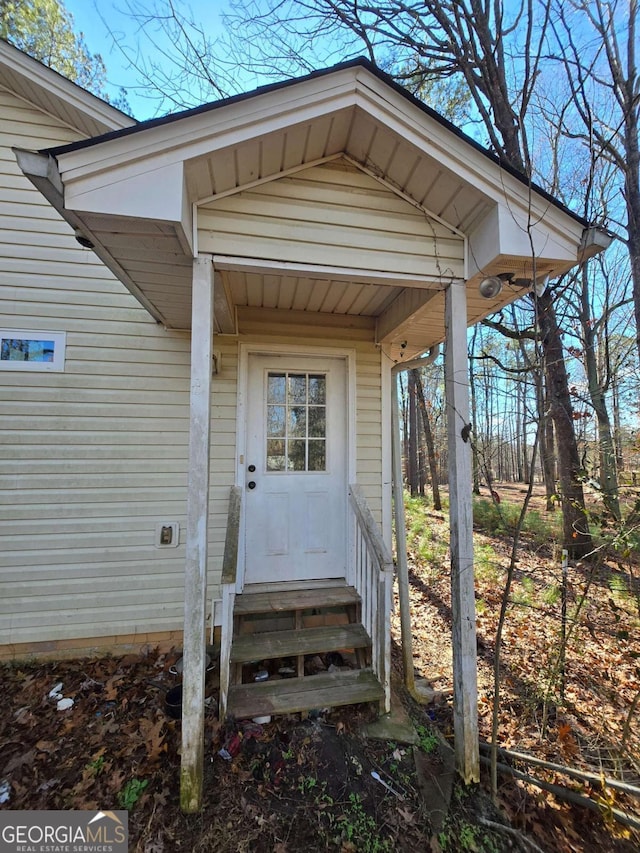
[(251, 484), (251, 469)]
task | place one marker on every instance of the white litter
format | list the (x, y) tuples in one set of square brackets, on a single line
[(56, 691), (64, 704), (377, 777)]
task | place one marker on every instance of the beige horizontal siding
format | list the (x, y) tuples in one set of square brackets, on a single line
[(366, 225), (92, 459)]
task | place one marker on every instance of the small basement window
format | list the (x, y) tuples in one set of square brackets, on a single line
[(20, 350)]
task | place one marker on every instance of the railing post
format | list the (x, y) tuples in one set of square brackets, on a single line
[(228, 582), (465, 691), (374, 578)]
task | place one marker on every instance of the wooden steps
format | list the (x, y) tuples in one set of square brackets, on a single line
[(305, 641), (291, 695), (295, 600), (276, 627)]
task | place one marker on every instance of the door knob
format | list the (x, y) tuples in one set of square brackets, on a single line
[(251, 484), (251, 468)]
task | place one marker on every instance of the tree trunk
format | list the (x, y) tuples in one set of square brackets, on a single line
[(608, 476), (547, 456), (597, 380), (428, 437), (577, 538), (475, 464), (632, 168), (413, 436), (617, 427)]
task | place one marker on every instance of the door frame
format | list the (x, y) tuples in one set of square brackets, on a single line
[(245, 351)]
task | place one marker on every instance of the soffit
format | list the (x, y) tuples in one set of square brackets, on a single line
[(349, 132), (55, 95)]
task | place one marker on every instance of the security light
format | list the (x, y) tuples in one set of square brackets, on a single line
[(490, 287)]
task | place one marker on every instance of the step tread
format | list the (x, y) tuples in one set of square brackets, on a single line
[(298, 599), (288, 696), (303, 641)]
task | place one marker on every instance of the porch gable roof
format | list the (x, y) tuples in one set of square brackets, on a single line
[(134, 194)]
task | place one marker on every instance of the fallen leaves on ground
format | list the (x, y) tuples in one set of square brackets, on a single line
[(585, 727)]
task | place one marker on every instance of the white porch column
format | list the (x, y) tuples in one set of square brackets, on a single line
[(195, 576), (465, 690)]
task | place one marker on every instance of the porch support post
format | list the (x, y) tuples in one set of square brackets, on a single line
[(195, 578), (465, 689)]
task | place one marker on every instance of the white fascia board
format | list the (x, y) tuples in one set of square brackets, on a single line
[(54, 85), (394, 111), (154, 192), (212, 130), (534, 236)]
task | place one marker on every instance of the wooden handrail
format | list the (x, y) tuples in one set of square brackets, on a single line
[(228, 583), (232, 538), (369, 528), (373, 579)]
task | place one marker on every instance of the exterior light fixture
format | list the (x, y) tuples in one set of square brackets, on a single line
[(490, 287), (84, 241)]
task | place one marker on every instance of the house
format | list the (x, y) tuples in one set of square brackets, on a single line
[(202, 432)]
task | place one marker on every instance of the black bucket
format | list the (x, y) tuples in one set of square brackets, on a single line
[(173, 702)]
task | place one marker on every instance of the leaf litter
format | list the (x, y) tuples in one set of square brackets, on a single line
[(308, 784)]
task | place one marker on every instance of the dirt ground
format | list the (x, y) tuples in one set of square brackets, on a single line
[(293, 784), (306, 784)]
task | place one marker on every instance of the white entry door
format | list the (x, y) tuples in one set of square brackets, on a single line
[(296, 469)]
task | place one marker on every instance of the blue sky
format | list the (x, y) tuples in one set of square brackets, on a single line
[(88, 16)]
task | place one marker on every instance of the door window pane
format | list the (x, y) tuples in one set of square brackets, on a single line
[(296, 456), (317, 389), (317, 427), (297, 389), (296, 423), (276, 421), (317, 459), (276, 459), (276, 388)]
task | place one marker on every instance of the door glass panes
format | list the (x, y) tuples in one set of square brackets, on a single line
[(296, 421)]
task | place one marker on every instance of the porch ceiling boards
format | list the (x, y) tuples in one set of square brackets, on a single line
[(304, 293)]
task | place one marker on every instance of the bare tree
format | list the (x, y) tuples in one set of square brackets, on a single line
[(412, 459), (570, 473), (596, 41), (428, 436), (500, 53)]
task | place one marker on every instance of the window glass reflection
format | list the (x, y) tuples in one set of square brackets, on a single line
[(276, 388), (317, 389), (276, 421), (297, 389), (317, 457), (296, 422), (276, 458)]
